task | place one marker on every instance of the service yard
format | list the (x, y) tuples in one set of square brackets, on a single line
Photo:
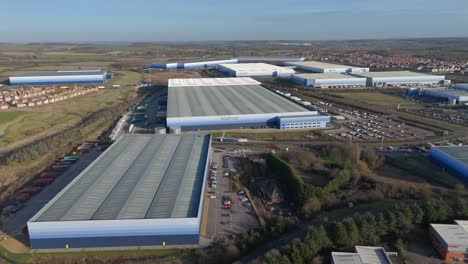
[(14, 223), (222, 221)]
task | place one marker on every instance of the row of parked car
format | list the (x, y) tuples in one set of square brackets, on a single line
[(44, 179)]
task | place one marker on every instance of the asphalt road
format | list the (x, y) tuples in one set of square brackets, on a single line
[(16, 222), (152, 107)]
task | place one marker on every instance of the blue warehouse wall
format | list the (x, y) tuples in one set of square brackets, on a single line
[(449, 162), (44, 80), (117, 241)]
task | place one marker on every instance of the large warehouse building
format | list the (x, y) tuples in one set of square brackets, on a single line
[(462, 86), (398, 78), (144, 190), (322, 67), (451, 96), (189, 65), (255, 70), (455, 158), (451, 241), (328, 80), (232, 103), (268, 59), (59, 77)]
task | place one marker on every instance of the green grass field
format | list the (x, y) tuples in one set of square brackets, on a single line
[(25, 257), (272, 135), (13, 257), (34, 122), (76, 57), (376, 98), (125, 78), (9, 116), (424, 169)]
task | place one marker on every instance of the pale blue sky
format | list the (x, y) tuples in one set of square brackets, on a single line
[(189, 20)]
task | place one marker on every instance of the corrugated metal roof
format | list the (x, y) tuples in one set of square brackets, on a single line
[(452, 234), (255, 67), (364, 255), (395, 74), (62, 73), (458, 153), (227, 100), (373, 255), (212, 81), (346, 258), (139, 176), (321, 65), (268, 58), (331, 75)]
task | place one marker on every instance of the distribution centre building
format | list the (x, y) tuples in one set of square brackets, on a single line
[(322, 67), (255, 70), (268, 59), (451, 240), (189, 65), (363, 255), (59, 77), (233, 103), (452, 96), (462, 86), (144, 190), (328, 80), (397, 78), (453, 157)]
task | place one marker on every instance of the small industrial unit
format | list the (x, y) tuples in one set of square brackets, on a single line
[(255, 70), (145, 190), (453, 157), (451, 240), (328, 80), (59, 77), (189, 65), (233, 103), (398, 78), (323, 67), (363, 255)]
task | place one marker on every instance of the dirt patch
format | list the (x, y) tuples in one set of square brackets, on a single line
[(11, 244)]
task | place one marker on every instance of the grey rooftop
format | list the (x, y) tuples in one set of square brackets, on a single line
[(458, 153), (452, 234), (330, 75), (62, 73), (393, 74), (227, 100), (138, 177)]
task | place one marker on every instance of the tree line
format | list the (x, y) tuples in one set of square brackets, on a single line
[(369, 229)]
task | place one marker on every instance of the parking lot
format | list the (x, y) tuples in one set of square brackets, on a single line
[(223, 220), (365, 126), (14, 223)]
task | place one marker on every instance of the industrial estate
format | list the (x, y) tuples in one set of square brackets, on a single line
[(283, 157)]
